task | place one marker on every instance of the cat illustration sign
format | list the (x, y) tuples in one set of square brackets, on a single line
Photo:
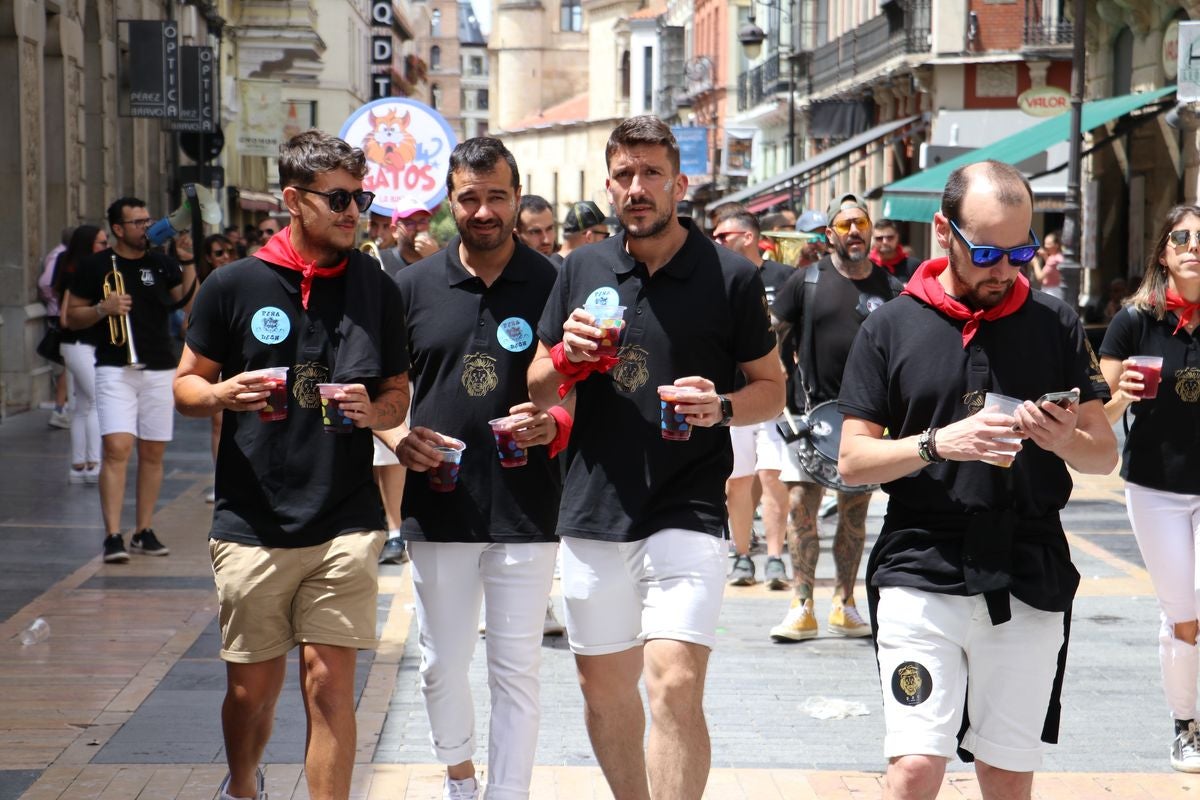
[(407, 145)]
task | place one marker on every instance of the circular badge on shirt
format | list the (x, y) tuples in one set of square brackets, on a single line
[(270, 325), (604, 296), (911, 684), (514, 334)]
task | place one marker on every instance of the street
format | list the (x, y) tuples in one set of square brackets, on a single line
[(122, 701)]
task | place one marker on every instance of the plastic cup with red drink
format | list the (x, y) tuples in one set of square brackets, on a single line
[(675, 426), (610, 320), (511, 453), (444, 477), (333, 418), (277, 401), (1150, 368)]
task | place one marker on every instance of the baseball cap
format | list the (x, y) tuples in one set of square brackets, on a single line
[(844, 202), (811, 220), (581, 216), (406, 207)]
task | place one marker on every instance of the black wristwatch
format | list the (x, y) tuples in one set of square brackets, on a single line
[(726, 410)]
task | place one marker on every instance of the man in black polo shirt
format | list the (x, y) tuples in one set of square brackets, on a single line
[(820, 310), (133, 378), (971, 578), (643, 518), (470, 311), (535, 225), (297, 526)]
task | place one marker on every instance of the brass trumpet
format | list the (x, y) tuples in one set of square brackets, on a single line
[(120, 329), (371, 248), (790, 243)]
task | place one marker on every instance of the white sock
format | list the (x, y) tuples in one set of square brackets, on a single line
[(394, 533)]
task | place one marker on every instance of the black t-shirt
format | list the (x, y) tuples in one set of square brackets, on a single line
[(148, 280), (288, 483), (1160, 450), (774, 275), (702, 313), (556, 260), (909, 371), (471, 347), (839, 307)]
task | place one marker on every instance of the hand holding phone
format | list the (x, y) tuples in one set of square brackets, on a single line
[(1063, 400)]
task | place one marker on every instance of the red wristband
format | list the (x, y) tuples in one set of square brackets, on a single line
[(574, 373), (563, 434)]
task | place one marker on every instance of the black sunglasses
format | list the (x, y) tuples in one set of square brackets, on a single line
[(339, 199), (219, 253), (986, 255)]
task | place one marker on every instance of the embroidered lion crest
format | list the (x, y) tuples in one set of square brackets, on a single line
[(305, 387), (631, 373), (479, 374)]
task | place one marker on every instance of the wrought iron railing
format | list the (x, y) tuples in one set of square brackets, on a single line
[(871, 44), (1042, 30), (764, 81)]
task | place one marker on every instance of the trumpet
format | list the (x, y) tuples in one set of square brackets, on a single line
[(120, 329), (790, 243), (371, 248)]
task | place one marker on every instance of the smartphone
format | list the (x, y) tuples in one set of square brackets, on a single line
[(1063, 400)]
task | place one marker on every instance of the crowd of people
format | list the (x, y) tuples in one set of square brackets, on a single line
[(503, 409)]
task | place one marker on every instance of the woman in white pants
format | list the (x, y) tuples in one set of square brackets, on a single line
[(1161, 464), (79, 356)]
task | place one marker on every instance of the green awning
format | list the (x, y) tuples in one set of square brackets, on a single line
[(917, 197)]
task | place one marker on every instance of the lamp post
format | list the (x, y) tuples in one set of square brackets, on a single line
[(1071, 268), (751, 37)]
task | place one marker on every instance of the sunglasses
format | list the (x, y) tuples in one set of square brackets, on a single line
[(1181, 238), (986, 255), (722, 236), (137, 223), (219, 253), (843, 226), (339, 199)]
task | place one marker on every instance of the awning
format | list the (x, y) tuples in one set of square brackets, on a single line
[(917, 197), (250, 200), (766, 201), (822, 159)]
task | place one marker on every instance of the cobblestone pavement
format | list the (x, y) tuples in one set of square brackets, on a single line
[(122, 701)]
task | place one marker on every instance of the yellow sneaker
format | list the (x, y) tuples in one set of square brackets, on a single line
[(799, 624), (845, 621)]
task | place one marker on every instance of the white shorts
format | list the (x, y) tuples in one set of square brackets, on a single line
[(930, 646), (383, 456), (757, 448), (137, 401), (620, 594)]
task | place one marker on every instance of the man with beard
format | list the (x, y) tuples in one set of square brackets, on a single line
[(643, 517), (820, 311), (971, 580), (297, 526), (470, 311), (889, 253), (812, 222), (535, 225), (133, 401)]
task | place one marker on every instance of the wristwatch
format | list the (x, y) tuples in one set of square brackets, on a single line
[(726, 410)]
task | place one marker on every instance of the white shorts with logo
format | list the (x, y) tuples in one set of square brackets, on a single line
[(137, 401), (757, 448), (618, 595), (931, 646)]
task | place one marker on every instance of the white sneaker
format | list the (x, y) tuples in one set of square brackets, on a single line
[(466, 789), (260, 788), (1185, 750), (60, 419), (210, 496), (551, 627), (91, 474), (76, 475)]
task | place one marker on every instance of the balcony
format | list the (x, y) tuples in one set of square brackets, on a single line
[(857, 52), (1045, 31), (762, 83)]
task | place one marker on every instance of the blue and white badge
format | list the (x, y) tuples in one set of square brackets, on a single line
[(514, 334), (604, 296), (270, 325)]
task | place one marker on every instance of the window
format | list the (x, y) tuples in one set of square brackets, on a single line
[(571, 15), (647, 79), (435, 57), (626, 67), (435, 96), (435, 23), (481, 99), (476, 65)]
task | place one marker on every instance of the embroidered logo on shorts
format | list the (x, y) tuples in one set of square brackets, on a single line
[(911, 684)]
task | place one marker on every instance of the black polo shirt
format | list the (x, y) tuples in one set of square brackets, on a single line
[(288, 483), (1160, 450), (908, 371), (471, 347), (839, 307), (149, 281), (702, 313)]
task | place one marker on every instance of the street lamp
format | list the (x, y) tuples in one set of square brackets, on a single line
[(751, 37), (1070, 267)]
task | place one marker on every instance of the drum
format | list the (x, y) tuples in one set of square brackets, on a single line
[(816, 440)]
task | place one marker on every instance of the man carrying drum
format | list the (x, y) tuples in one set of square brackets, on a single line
[(819, 312)]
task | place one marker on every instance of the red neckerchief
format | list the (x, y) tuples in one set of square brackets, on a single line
[(924, 286), (279, 251), (1182, 308), (890, 265)]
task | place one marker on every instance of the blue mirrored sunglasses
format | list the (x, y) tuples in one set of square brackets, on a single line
[(986, 255)]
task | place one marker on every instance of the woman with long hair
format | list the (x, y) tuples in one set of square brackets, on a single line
[(78, 350), (1161, 463)]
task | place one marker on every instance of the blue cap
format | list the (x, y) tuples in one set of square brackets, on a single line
[(811, 220)]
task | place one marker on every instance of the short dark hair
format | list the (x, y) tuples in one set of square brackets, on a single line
[(116, 210), (534, 204), (775, 220), (1011, 186), (886, 223), (743, 218), (216, 238), (480, 154), (308, 154), (644, 130)]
